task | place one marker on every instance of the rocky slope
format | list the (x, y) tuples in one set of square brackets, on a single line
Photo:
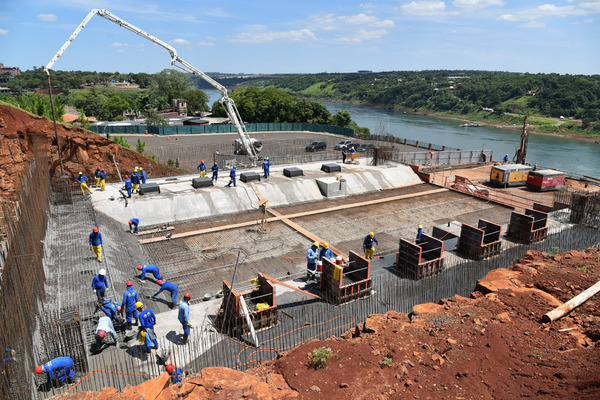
[(82, 150), (491, 345)]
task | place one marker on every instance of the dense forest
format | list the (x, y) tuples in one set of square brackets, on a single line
[(464, 93)]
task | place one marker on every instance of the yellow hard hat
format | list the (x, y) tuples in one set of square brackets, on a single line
[(420, 226), (326, 245), (139, 304), (371, 234), (81, 173), (316, 244)]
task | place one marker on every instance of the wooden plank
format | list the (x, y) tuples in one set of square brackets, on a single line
[(168, 228), (290, 286), (290, 216)]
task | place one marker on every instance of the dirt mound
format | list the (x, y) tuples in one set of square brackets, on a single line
[(82, 150), (491, 345)]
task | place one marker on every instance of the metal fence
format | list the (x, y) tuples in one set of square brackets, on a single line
[(436, 157), (22, 284)]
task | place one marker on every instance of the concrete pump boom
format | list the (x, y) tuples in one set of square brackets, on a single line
[(228, 103)]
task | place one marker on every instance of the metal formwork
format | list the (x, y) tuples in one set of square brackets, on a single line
[(416, 261), (340, 284), (481, 242), (530, 227)]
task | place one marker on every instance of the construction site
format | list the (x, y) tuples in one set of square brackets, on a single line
[(241, 251)]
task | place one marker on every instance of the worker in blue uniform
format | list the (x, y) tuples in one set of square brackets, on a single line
[(312, 256), (184, 316), (149, 268), (142, 175), (82, 179), (175, 373), (169, 287), (135, 180), (96, 243), (232, 177), (325, 252), (369, 245), (106, 328), (202, 169), (102, 181), (147, 322), (130, 297), (505, 159), (100, 284), (265, 166), (133, 225), (111, 308), (58, 370), (96, 174), (128, 186), (215, 171), (419, 234)]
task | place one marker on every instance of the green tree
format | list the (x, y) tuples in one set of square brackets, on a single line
[(171, 84), (155, 119), (140, 146), (342, 118), (196, 101)]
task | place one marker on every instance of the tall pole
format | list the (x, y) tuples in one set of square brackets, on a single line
[(62, 170)]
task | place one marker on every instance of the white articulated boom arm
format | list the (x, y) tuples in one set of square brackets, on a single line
[(228, 103)]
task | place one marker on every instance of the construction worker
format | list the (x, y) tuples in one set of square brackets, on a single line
[(505, 159), (369, 245), (135, 180), (100, 284), (419, 233), (265, 166), (215, 171), (344, 155), (111, 309), (175, 373), (128, 186), (104, 327), (312, 256), (149, 268), (232, 177), (147, 322), (102, 181), (58, 370), (96, 174), (96, 243), (142, 175), (133, 225), (130, 297), (169, 287), (325, 252), (82, 179), (184, 316), (202, 169)]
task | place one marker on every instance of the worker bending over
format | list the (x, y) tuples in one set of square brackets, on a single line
[(312, 256), (111, 309), (369, 245), (106, 328), (184, 316), (147, 322), (149, 268), (82, 179), (100, 284), (57, 370), (133, 225), (202, 169), (169, 287), (325, 252), (130, 297), (175, 373), (96, 243)]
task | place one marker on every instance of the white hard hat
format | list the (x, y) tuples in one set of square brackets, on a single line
[(102, 272)]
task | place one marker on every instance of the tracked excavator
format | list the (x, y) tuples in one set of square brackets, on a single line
[(246, 145)]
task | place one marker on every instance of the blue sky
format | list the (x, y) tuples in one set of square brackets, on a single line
[(310, 36)]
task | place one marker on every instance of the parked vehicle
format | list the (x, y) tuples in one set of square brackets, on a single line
[(351, 145), (365, 147), (342, 144), (316, 146)]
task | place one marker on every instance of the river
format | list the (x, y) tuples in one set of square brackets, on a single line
[(569, 155)]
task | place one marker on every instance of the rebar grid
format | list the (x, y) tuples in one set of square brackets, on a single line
[(22, 282)]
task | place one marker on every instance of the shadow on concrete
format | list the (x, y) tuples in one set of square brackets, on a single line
[(174, 337)]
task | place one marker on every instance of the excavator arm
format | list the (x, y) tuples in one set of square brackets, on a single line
[(226, 101)]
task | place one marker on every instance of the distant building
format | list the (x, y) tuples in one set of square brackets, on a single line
[(8, 73)]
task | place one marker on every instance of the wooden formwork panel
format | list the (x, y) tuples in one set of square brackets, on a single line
[(527, 228), (423, 270), (481, 242), (358, 271)]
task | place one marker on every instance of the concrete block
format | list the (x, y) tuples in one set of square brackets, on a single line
[(201, 182), (146, 188), (249, 176), (448, 233), (331, 187), (331, 167), (292, 172)]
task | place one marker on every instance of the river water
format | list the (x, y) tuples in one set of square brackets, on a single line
[(569, 155)]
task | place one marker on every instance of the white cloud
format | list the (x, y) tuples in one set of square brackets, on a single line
[(423, 8), (205, 44), (533, 25), (47, 17), (181, 41), (362, 35), (3, 32), (367, 5), (301, 35), (508, 17), (476, 4), (364, 19)]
